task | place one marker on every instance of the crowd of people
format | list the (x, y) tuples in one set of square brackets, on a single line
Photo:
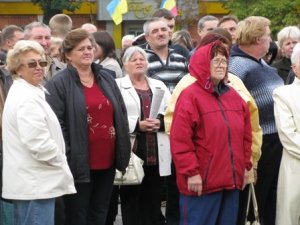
[(73, 112)]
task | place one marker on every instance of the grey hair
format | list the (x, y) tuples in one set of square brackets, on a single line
[(295, 57), (288, 32), (14, 56), (205, 19), (148, 22), (28, 28), (131, 51)]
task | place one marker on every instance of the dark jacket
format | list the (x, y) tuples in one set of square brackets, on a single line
[(291, 77), (283, 67), (7, 82), (211, 131), (67, 100)]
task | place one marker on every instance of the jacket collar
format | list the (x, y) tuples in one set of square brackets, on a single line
[(296, 81), (236, 51), (126, 83), (95, 68), (38, 90), (199, 68)]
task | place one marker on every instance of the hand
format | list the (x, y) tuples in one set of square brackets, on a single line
[(255, 175), (149, 125), (195, 184), (246, 177)]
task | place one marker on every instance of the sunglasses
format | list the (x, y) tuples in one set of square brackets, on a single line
[(35, 63)]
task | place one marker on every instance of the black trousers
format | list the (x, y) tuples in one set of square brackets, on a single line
[(140, 204), (243, 199), (172, 209), (113, 206), (59, 213), (267, 177), (90, 204)]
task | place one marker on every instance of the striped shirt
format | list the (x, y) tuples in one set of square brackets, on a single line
[(170, 71), (260, 79)]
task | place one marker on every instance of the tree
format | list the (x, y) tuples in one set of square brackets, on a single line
[(52, 7), (281, 13)]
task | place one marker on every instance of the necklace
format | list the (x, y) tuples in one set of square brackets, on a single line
[(88, 81)]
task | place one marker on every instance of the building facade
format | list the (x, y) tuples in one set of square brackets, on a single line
[(22, 12)]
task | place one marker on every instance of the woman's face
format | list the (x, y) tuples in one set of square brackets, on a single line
[(296, 69), (218, 68), (32, 68), (54, 51), (137, 65), (98, 53), (82, 55), (288, 46)]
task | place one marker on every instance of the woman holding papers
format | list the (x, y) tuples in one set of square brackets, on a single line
[(141, 203)]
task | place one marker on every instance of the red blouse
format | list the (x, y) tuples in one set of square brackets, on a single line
[(101, 133)]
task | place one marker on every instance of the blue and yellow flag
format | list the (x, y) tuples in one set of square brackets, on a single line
[(170, 5), (116, 9)]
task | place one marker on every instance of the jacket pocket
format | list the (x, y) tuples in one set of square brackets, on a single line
[(205, 159)]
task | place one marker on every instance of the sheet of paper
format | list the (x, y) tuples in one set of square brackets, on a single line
[(156, 101)]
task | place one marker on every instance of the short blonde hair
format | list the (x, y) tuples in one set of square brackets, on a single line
[(288, 32), (251, 28), (55, 41), (60, 25), (15, 55)]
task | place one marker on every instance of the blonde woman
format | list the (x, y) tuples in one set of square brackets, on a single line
[(35, 168)]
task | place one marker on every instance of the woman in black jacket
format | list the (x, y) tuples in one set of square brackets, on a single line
[(93, 119)]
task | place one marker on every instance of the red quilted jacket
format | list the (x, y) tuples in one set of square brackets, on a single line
[(211, 132)]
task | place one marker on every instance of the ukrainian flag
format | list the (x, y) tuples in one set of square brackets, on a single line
[(116, 9), (170, 5)]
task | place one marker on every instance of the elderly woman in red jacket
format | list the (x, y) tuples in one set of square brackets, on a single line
[(210, 142)]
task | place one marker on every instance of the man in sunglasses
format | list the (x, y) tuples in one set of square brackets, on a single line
[(41, 33)]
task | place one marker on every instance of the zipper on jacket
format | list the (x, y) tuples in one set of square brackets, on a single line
[(229, 140)]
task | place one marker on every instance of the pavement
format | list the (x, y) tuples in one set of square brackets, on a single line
[(118, 220)]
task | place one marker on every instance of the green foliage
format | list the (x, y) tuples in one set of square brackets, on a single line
[(281, 12), (52, 7)]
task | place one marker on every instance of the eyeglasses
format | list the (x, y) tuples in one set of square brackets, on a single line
[(35, 63), (219, 62)]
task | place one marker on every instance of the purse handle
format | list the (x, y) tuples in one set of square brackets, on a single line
[(251, 195)]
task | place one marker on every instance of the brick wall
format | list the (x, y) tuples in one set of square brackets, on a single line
[(22, 20)]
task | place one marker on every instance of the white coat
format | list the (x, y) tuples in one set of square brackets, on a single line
[(34, 161), (112, 64), (133, 106), (287, 117)]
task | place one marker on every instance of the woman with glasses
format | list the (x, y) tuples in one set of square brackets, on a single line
[(210, 141), (92, 115), (35, 168)]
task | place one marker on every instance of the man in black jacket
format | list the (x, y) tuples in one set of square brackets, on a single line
[(6, 208)]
